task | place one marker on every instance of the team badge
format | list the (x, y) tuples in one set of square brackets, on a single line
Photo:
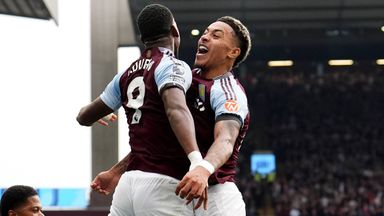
[(231, 106), (202, 92)]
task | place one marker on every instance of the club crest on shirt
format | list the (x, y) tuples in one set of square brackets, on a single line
[(202, 92), (231, 106)]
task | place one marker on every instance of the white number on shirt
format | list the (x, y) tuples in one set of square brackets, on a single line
[(135, 94)]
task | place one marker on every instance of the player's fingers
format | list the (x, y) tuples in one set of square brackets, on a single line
[(200, 190), (110, 117), (97, 188), (206, 199), (94, 185), (102, 122), (199, 202), (184, 192), (195, 191), (180, 186), (189, 201), (191, 196), (105, 192), (113, 117)]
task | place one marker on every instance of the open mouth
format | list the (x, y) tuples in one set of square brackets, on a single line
[(202, 50)]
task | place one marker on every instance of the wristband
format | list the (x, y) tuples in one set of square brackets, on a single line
[(195, 157), (207, 165)]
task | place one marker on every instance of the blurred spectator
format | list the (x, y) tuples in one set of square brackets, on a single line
[(327, 131)]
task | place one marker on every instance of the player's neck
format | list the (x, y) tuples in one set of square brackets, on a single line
[(212, 73), (162, 42)]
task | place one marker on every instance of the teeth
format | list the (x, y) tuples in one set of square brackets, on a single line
[(203, 48)]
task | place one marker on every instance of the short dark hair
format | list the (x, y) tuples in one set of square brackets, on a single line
[(242, 35), (14, 197), (154, 22)]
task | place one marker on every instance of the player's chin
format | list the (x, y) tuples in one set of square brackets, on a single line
[(199, 63)]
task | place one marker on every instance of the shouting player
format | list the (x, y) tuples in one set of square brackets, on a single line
[(219, 106)]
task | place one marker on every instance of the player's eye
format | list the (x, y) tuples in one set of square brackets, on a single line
[(36, 210)]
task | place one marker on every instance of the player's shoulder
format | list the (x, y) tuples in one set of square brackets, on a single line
[(228, 86), (227, 97), (170, 59)]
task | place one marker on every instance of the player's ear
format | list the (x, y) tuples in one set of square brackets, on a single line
[(12, 213), (174, 31), (234, 53)]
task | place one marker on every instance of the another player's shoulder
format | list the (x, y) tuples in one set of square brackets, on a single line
[(228, 97), (229, 87), (172, 71), (170, 63), (174, 62)]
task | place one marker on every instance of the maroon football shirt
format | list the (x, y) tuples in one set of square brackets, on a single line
[(154, 146), (208, 100)]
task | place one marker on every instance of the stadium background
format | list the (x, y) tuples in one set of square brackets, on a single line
[(323, 123)]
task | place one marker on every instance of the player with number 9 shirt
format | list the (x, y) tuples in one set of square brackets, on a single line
[(161, 128)]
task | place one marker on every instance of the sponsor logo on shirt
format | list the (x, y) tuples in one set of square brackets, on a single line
[(199, 105), (231, 106)]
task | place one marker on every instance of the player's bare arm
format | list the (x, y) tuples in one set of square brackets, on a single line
[(94, 111), (183, 126), (226, 132), (180, 118), (105, 182)]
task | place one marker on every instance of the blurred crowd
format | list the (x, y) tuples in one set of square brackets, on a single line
[(327, 132)]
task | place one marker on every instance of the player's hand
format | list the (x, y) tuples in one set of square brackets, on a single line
[(202, 199), (194, 185), (105, 182), (108, 118)]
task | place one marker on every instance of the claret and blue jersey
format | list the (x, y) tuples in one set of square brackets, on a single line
[(153, 143), (209, 100)]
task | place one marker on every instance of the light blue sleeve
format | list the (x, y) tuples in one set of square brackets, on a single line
[(227, 97), (175, 72), (111, 95)]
